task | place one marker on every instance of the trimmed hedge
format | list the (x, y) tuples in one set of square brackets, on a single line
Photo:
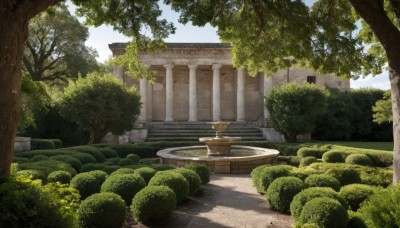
[(143, 151), (192, 178), (91, 166), (110, 169), (86, 184), (133, 157), (324, 212), (153, 203), (344, 175), (146, 172), (173, 180), (322, 180), (59, 176), (281, 192), (269, 174), (100, 175), (108, 152), (201, 170), (298, 202), (333, 156), (311, 151), (123, 171), (42, 144), (355, 194), (103, 210), (39, 158), (95, 152), (125, 162), (306, 161), (32, 174), (379, 157), (74, 162), (359, 159), (125, 185), (47, 166)]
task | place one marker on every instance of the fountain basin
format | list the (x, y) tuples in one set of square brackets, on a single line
[(219, 146), (233, 164)]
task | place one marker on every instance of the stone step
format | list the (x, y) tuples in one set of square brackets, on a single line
[(203, 134), (152, 139), (227, 131)]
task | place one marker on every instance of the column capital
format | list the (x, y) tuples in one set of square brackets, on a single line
[(169, 66), (216, 66), (192, 66)]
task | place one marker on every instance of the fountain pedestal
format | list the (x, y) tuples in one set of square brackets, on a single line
[(219, 145)]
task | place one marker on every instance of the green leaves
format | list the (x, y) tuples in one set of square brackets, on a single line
[(383, 109)]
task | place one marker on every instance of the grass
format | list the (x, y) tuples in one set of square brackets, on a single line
[(387, 146)]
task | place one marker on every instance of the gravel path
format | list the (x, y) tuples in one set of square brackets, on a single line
[(229, 201)]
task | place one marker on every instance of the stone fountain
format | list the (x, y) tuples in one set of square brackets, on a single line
[(219, 145), (219, 154)]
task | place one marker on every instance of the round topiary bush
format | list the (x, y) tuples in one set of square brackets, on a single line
[(86, 184), (153, 203), (61, 176), (281, 192), (146, 172), (322, 180), (309, 151), (133, 157), (104, 209), (125, 162), (84, 158), (355, 220), (100, 175), (307, 161), (344, 175), (90, 167), (355, 194), (123, 171), (125, 185), (110, 169), (176, 181), (201, 170), (192, 177), (325, 212), (302, 176), (74, 162), (269, 174), (108, 152), (255, 174), (32, 174), (333, 157), (39, 157), (293, 160), (308, 194), (359, 159)]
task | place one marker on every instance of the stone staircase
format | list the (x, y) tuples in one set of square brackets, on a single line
[(192, 131)]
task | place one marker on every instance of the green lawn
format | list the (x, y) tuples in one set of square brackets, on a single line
[(366, 145)]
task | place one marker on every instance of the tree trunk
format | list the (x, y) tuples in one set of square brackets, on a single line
[(13, 33), (389, 36), (14, 17)]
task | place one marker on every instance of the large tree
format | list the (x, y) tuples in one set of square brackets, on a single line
[(126, 16), (56, 48), (323, 35)]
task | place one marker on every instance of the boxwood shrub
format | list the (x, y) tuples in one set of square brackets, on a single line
[(32, 174), (42, 144), (146, 172), (359, 159), (281, 192), (91, 166), (255, 176), (153, 203), (306, 161), (133, 157), (344, 175), (125, 161), (355, 220), (334, 157), (269, 174), (143, 151), (86, 184), (100, 175), (355, 194), (123, 171), (173, 180), (298, 202), (324, 212), (201, 170), (39, 157), (310, 151), (110, 169), (125, 185), (74, 162), (47, 166), (104, 209), (59, 176), (108, 152), (192, 178), (95, 152), (322, 180), (83, 157)]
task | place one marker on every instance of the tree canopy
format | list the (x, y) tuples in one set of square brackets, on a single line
[(383, 109), (100, 104)]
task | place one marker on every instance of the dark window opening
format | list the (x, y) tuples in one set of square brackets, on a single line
[(311, 79)]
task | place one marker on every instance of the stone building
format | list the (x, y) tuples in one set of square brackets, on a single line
[(197, 82)]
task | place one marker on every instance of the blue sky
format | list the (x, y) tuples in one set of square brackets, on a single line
[(101, 36)]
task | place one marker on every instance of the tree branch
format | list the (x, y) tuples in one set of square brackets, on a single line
[(396, 8)]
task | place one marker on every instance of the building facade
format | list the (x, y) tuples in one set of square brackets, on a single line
[(197, 82)]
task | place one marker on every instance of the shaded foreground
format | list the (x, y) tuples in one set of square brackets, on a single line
[(229, 201)]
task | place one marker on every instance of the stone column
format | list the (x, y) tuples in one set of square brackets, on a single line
[(143, 99), (149, 102), (216, 96), (267, 89), (240, 106), (192, 93), (118, 72), (169, 93)]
